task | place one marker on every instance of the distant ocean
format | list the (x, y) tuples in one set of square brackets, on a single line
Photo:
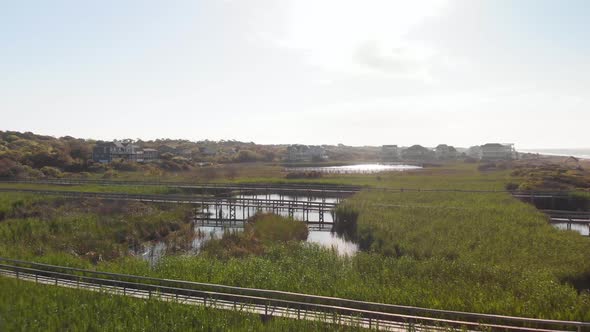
[(578, 153)]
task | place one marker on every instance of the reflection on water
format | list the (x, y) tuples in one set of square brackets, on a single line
[(153, 252), (583, 229), (242, 213), (333, 240), (355, 169), (205, 230)]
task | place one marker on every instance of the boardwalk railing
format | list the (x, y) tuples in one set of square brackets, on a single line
[(287, 187), (278, 303), (188, 199), (265, 187)]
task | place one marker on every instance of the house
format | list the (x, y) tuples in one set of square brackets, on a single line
[(497, 151), (186, 153), (317, 153), (445, 152), (474, 152), (390, 153), (166, 149), (150, 155), (298, 152), (417, 152), (572, 162), (106, 152)]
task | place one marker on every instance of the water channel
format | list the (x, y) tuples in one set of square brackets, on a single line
[(211, 222), (581, 228)]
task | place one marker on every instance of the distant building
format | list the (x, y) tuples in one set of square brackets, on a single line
[(298, 152), (474, 152), (572, 162), (150, 155), (106, 152), (186, 153), (497, 151), (417, 152), (166, 149), (443, 151), (390, 153)]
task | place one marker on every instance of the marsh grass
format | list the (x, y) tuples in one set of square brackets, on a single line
[(89, 228), (28, 307), (483, 252), (261, 231)]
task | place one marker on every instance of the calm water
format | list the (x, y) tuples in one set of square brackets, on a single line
[(580, 228), (153, 252), (319, 234), (356, 169), (244, 213), (578, 153)]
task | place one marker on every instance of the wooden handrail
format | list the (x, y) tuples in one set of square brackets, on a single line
[(281, 297)]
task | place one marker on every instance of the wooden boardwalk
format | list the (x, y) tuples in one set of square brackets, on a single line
[(330, 310), (207, 208)]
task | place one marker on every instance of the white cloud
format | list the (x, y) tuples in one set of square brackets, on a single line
[(365, 37)]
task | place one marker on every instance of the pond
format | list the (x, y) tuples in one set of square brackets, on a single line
[(356, 169)]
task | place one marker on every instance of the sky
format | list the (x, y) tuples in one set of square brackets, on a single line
[(369, 72)]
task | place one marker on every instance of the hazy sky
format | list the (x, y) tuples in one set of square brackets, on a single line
[(300, 71)]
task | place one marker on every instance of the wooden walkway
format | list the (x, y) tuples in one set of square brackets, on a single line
[(213, 188), (208, 208), (308, 189), (278, 303)]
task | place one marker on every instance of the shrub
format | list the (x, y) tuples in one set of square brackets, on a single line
[(109, 174), (511, 186), (51, 172)]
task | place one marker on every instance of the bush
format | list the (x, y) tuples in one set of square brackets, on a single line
[(125, 166), (511, 186), (248, 156), (9, 168), (261, 232), (109, 174), (51, 172)]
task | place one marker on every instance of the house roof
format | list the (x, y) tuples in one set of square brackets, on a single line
[(492, 145)]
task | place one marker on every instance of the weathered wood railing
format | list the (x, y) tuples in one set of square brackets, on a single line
[(278, 303), (282, 186)]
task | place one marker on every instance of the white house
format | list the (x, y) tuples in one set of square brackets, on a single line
[(497, 151), (390, 153)]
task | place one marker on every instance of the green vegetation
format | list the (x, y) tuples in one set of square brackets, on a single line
[(261, 232), (129, 189), (482, 252), (91, 229), (552, 177), (27, 155), (29, 307)]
